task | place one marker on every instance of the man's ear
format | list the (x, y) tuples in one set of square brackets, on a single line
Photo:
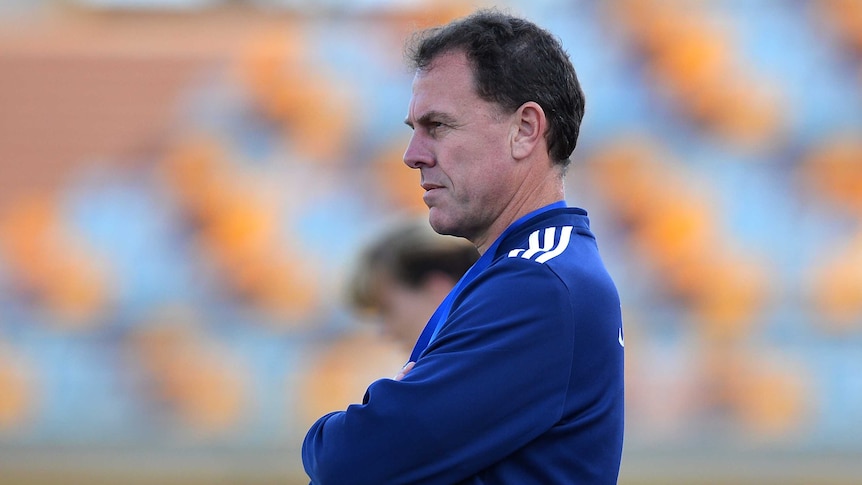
[(529, 129)]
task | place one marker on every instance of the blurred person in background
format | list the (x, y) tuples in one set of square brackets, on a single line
[(518, 375), (401, 277)]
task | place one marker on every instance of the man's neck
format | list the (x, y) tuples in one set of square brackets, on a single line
[(506, 220)]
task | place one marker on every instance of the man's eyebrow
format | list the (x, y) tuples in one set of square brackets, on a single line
[(429, 117)]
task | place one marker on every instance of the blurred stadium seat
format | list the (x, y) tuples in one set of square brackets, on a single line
[(845, 21), (691, 56), (836, 287), (17, 391), (50, 267), (197, 384), (832, 171)]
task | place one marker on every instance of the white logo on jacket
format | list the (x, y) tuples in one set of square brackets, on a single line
[(543, 244)]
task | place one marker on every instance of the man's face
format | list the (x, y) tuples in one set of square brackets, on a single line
[(461, 145)]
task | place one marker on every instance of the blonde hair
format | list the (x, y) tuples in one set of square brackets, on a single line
[(409, 251)]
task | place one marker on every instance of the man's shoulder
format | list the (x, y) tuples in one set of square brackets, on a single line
[(560, 248), (554, 237), (543, 244)]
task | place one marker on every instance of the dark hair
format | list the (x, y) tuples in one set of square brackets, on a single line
[(514, 61), (409, 252)]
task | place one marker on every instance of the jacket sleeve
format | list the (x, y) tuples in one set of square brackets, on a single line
[(494, 379)]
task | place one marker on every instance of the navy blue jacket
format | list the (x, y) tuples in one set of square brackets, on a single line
[(522, 385)]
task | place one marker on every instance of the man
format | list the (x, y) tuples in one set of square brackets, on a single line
[(518, 377), (402, 276)]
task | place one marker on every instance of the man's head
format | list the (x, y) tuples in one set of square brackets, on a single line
[(495, 112), (514, 61), (403, 276)]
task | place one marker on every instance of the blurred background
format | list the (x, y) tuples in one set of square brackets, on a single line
[(184, 184)]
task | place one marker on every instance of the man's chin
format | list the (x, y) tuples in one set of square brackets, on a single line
[(438, 223), (445, 228)]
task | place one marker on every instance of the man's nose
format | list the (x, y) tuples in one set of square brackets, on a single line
[(417, 153)]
